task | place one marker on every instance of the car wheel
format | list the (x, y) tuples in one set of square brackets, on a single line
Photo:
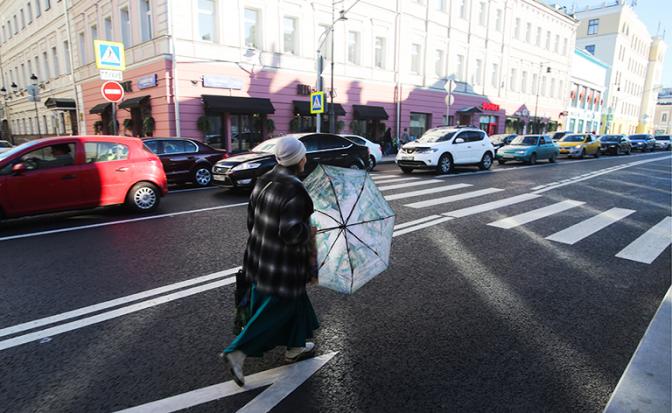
[(629, 152), (143, 197), (553, 158), (407, 170), (445, 164), (355, 165), (597, 154), (501, 161), (486, 162), (203, 176), (372, 162), (533, 159)]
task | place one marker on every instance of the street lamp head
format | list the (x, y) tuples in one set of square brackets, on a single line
[(14, 86), (342, 16), (33, 79), (548, 69), (3, 91)]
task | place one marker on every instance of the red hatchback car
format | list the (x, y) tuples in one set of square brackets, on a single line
[(77, 172)]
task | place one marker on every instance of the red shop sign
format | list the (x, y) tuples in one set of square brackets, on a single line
[(490, 106)]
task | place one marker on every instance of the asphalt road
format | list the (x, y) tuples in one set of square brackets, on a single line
[(537, 313)]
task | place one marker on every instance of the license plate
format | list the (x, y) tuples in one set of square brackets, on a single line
[(219, 177), (564, 151), (407, 158)]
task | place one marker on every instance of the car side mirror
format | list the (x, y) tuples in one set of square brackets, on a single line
[(459, 140), (19, 168)]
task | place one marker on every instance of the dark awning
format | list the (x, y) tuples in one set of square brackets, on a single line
[(237, 104), (470, 109), (100, 108), (364, 112), (60, 104), (303, 108), (133, 102)]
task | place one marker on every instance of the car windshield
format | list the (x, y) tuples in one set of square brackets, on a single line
[(266, 146), (498, 138), (5, 144), (17, 149), (436, 135), (663, 138), (573, 138), (639, 137), (610, 138), (525, 141), (558, 135)]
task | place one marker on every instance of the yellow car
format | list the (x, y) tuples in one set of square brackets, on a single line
[(579, 145)]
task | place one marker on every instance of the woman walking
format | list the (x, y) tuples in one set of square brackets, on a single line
[(279, 262)]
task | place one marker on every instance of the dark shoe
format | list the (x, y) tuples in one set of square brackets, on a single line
[(294, 354)]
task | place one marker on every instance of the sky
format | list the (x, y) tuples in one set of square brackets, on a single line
[(650, 12)]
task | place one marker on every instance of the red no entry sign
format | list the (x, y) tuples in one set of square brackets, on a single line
[(112, 91)]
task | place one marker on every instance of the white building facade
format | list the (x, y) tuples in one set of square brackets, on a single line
[(586, 96), (663, 116)]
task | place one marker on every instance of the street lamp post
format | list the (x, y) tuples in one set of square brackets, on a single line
[(34, 93), (536, 103)]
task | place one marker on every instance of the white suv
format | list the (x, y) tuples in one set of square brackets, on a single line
[(441, 148)]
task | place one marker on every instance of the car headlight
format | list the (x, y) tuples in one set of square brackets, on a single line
[(577, 146), (245, 166)]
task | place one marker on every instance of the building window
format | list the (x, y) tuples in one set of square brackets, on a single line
[(548, 40), (556, 45), (82, 49), (580, 128), (439, 5), (535, 84), (379, 56), (107, 26), (23, 20), (418, 124), (593, 25), (54, 55), (289, 37), (477, 72), (415, 58), (552, 91), (29, 7), (481, 13), (66, 56), (252, 32), (94, 36), (16, 25), (460, 67), (494, 77), (206, 20), (38, 68), (523, 82), (353, 47), (512, 81), (145, 20), (438, 63), (47, 4), (564, 46), (516, 29), (45, 60), (463, 9), (528, 33), (543, 86), (538, 39), (590, 48), (125, 27), (498, 20), (663, 117)]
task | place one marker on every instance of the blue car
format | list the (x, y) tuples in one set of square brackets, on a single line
[(529, 149), (643, 142)]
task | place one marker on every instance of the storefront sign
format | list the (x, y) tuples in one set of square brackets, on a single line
[(147, 81), (116, 75), (490, 106), (109, 55), (222, 82)]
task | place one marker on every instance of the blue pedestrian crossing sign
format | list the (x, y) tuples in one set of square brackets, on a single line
[(109, 55), (316, 102)]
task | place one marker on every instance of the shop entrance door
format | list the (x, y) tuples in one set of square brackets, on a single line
[(246, 131)]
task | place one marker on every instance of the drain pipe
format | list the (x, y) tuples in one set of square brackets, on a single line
[(176, 100), (82, 130), (396, 72)]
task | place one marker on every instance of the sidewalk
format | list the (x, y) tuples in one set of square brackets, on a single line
[(646, 383)]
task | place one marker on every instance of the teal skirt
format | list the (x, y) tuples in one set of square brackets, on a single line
[(275, 321)]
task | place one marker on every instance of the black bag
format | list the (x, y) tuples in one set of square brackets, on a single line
[(242, 301)]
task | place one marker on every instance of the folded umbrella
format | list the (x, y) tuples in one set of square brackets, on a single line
[(355, 225)]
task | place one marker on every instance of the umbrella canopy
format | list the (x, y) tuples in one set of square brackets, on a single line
[(355, 225)]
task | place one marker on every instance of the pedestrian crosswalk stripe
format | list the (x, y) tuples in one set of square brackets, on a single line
[(415, 222), (514, 221), (389, 181), (426, 191), (465, 212), (409, 184), (586, 228), (421, 226), (386, 176), (453, 198), (649, 245)]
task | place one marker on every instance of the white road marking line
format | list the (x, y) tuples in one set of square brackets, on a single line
[(421, 226), (386, 176), (410, 184), (453, 198), (588, 227), (98, 318), (283, 380), (649, 245), (123, 221), (464, 212), (527, 217), (426, 191), (389, 181), (113, 303), (415, 222), (177, 191)]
